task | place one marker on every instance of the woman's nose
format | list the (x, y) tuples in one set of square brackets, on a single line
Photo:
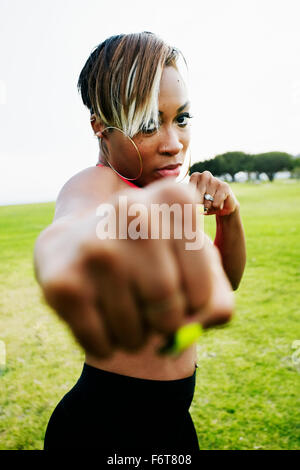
[(170, 143)]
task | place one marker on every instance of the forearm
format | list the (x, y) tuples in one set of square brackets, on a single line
[(230, 240)]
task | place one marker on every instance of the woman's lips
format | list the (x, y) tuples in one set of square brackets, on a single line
[(169, 172)]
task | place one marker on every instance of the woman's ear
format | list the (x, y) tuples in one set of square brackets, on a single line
[(97, 125)]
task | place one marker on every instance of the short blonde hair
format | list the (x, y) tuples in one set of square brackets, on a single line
[(120, 80)]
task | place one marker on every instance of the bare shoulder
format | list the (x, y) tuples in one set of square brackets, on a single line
[(86, 190)]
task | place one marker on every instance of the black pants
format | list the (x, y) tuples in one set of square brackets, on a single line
[(117, 414)]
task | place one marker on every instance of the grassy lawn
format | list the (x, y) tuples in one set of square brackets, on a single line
[(247, 394)]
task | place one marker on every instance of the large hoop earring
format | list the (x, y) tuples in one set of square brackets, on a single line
[(136, 148), (190, 158)]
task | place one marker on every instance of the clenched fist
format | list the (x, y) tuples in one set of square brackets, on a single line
[(114, 293)]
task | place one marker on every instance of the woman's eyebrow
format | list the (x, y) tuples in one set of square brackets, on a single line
[(179, 109), (183, 106)]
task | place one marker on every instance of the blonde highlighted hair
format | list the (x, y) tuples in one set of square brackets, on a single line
[(120, 81)]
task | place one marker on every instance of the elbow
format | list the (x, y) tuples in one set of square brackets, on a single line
[(235, 285), (235, 279)]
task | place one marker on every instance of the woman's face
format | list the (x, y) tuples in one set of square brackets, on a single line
[(160, 147)]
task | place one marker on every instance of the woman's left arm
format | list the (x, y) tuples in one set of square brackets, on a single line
[(230, 235)]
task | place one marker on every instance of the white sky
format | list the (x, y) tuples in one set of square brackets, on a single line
[(244, 63)]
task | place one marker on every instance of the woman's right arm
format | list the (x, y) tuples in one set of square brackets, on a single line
[(60, 255), (112, 293)]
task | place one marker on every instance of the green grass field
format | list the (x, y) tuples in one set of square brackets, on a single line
[(248, 380)]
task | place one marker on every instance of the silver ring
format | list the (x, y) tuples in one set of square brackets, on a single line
[(208, 197)]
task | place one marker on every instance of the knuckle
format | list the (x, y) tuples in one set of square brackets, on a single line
[(88, 251), (167, 194), (171, 193), (88, 246), (216, 202), (109, 257), (163, 289), (184, 195), (61, 293), (104, 254), (195, 175)]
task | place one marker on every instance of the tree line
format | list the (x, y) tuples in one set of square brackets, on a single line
[(233, 162)]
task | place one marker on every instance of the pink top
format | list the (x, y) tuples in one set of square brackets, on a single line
[(124, 179)]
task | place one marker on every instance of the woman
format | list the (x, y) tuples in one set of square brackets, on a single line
[(122, 297)]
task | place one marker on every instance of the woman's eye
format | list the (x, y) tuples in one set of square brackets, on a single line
[(150, 129), (183, 119)]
